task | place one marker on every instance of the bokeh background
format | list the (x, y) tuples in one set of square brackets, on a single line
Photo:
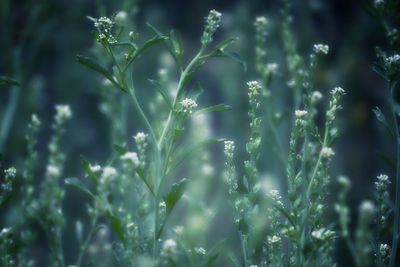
[(40, 39)]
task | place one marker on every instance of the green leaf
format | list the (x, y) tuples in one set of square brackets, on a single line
[(121, 150), (222, 45), (211, 260), (176, 41), (141, 175), (228, 54), (4, 80), (153, 41), (162, 92), (382, 119), (116, 226), (186, 153), (216, 108), (77, 183), (99, 69), (175, 193), (213, 253), (88, 170)]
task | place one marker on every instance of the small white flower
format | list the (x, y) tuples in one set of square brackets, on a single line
[(274, 239), (95, 168), (35, 120), (271, 68), (121, 18), (229, 147), (131, 157), (140, 137), (52, 171), (378, 3), (344, 181), (338, 91), (367, 207), (5, 231), (63, 113), (169, 245), (254, 87), (322, 234), (321, 49), (200, 251), (316, 96), (207, 169), (188, 105), (327, 152), (109, 173), (261, 20), (10, 172), (300, 114)]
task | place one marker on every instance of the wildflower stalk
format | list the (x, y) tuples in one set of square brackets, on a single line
[(86, 243), (396, 228)]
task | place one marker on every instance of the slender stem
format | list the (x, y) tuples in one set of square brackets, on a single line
[(179, 89), (8, 116), (244, 249), (86, 244), (395, 238)]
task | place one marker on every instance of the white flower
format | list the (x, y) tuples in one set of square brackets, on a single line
[(338, 91), (95, 168), (200, 251), (274, 239), (254, 87), (378, 3), (131, 157), (121, 18), (63, 113), (188, 105), (321, 49), (300, 114), (5, 231), (179, 229), (10, 172), (35, 120), (316, 96), (229, 148), (344, 181), (271, 68), (393, 60), (52, 171), (108, 173), (207, 169), (169, 245), (327, 152), (367, 207), (322, 234), (261, 21), (140, 137)]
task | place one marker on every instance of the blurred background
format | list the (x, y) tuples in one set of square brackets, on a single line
[(39, 41)]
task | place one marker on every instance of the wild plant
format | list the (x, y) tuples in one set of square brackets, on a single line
[(140, 223)]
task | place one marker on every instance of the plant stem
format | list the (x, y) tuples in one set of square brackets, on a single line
[(243, 240), (8, 116), (395, 238), (85, 245)]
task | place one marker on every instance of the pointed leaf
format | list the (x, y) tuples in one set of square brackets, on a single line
[(77, 183), (116, 226), (216, 108), (121, 150), (162, 92), (176, 41), (4, 80), (99, 69), (88, 170), (173, 196), (381, 118)]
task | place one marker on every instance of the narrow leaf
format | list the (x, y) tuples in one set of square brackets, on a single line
[(216, 108), (382, 119), (77, 183), (173, 196), (99, 69), (4, 80), (159, 88), (88, 170), (121, 150), (116, 226)]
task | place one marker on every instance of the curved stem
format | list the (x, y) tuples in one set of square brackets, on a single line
[(395, 238)]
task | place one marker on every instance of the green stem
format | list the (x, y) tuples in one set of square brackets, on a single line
[(395, 238), (8, 116), (86, 244), (243, 240), (179, 90)]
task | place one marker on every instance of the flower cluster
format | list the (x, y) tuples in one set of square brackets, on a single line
[(336, 94), (63, 113), (321, 49), (131, 158), (212, 23), (188, 105), (104, 27)]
